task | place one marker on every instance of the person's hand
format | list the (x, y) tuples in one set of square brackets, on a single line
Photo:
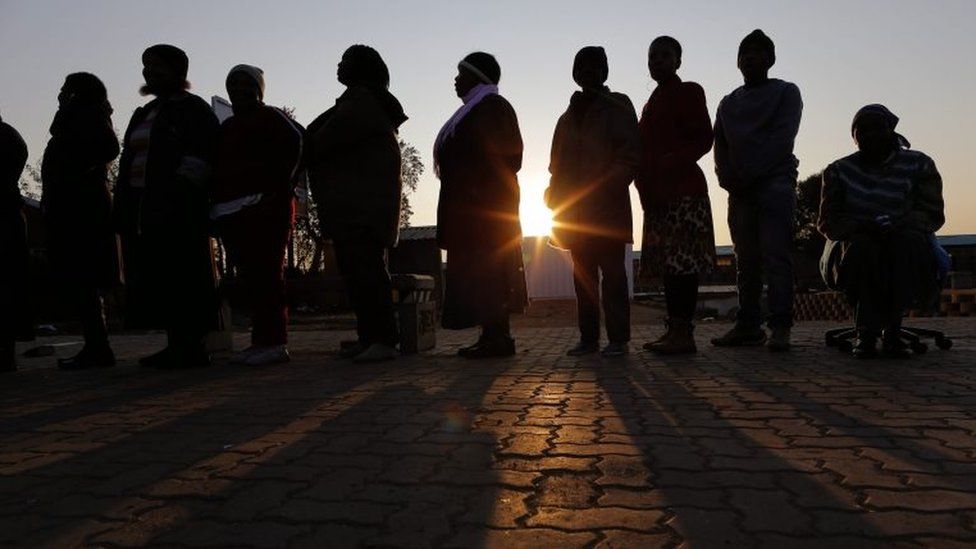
[(883, 223)]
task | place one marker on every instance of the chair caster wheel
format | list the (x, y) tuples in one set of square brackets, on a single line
[(943, 343), (845, 346), (919, 348)]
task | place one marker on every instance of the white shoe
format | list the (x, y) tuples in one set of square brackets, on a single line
[(377, 352), (262, 356), (240, 357)]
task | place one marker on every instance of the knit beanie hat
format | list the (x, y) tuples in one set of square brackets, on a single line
[(255, 73), (759, 39)]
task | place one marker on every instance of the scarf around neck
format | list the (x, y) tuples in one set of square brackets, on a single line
[(470, 100)]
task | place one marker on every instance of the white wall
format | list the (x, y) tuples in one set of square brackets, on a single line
[(549, 270)]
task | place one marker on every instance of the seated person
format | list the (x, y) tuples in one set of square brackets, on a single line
[(879, 208)]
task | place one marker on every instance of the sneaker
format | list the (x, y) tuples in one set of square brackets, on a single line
[(779, 340), (350, 351), (741, 337), (892, 346), (583, 348), (865, 347), (377, 352), (614, 350), (263, 356), (240, 357), (89, 358)]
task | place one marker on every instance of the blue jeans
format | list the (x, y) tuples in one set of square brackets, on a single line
[(761, 222)]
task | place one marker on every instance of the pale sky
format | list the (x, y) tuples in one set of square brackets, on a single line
[(915, 57)]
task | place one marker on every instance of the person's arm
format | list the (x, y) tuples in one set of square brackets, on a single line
[(727, 177), (627, 143), (554, 193), (927, 213), (833, 221), (695, 133), (780, 137), (198, 134)]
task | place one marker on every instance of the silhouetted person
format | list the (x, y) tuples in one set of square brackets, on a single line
[(77, 205), (259, 154), (679, 238), (477, 156), (354, 170), (15, 317), (162, 202), (595, 156), (755, 129), (881, 205)]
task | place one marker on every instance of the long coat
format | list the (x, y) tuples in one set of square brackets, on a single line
[(479, 198), (478, 216), (353, 159), (15, 315), (595, 156), (76, 203), (167, 252)]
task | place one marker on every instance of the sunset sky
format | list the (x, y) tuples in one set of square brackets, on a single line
[(915, 57)]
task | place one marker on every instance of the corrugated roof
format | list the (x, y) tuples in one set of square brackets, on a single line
[(957, 240), (426, 232)]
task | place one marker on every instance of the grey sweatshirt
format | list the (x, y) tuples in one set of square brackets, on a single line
[(755, 129)]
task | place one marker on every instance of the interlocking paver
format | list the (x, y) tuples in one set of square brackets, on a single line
[(724, 448)]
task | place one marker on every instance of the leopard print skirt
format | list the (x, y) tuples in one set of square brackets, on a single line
[(678, 239)]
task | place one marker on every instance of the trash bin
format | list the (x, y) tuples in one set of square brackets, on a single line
[(416, 311)]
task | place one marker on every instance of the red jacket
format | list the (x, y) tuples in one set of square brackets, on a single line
[(676, 131), (258, 152)]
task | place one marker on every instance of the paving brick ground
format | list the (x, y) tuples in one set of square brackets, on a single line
[(726, 448)]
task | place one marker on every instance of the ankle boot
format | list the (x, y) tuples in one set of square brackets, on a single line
[(680, 339), (651, 346)]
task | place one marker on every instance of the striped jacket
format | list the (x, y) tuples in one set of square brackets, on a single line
[(907, 187)]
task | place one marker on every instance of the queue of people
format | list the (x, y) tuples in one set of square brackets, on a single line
[(184, 178)]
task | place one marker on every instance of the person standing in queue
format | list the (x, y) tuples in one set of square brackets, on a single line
[(16, 322), (259, 155), (77, 207), (354, 173), (477, 156), (755, 131), (161, 210), (679, 238), (595, 156)]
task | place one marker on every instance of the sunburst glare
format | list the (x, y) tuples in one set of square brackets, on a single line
[(536, 217)]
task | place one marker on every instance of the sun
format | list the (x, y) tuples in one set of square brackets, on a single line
[(535, 216)]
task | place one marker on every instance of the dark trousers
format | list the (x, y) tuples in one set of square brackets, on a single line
[(681, 296), (256, 239), (90, 309), (883, 275), (588, 263), (761, 223), (362, 263)]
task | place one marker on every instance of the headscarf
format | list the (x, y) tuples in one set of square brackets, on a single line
[(888, 116), (592, 55), (485, 67), (255, 73), (759, 38), (171, 55)]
